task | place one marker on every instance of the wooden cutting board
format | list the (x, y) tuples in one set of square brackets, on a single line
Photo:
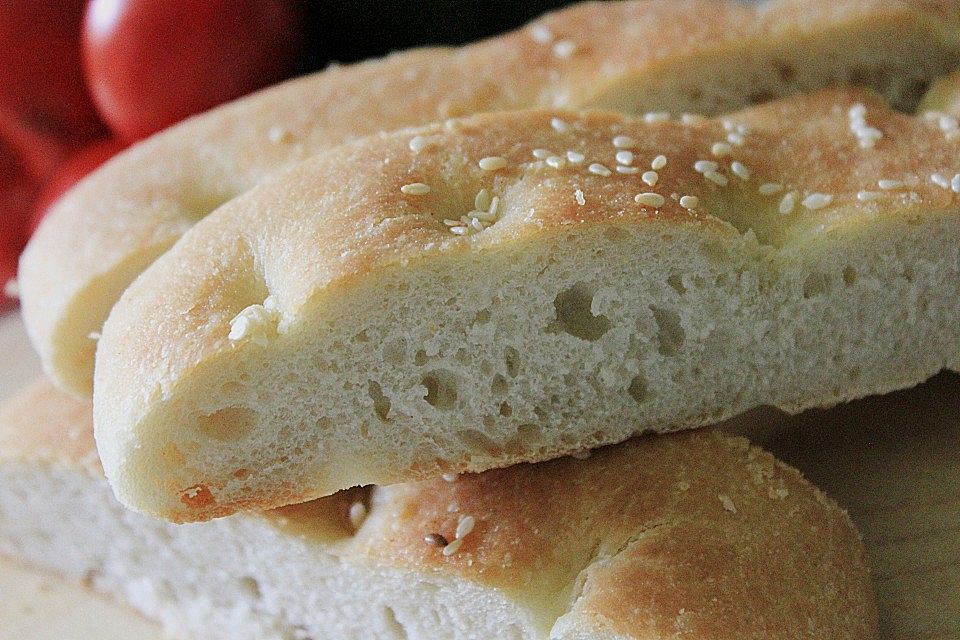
[(893, 461)]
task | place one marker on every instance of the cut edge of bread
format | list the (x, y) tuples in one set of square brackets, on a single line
[(695, 532)]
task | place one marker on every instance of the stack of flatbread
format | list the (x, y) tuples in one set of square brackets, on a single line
[(413, 348)]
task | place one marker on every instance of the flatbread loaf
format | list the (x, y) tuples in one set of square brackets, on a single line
[(526, 285), (695, 536)]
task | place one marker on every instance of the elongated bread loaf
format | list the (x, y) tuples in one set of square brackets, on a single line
[(330, 329), (695, 536), (673, 55)]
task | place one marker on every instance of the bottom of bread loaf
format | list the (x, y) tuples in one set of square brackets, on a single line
[(692, 535)]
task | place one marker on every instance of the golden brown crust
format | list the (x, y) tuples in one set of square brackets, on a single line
[(693, 535), (623, 55), (321, 229), (679, 534)]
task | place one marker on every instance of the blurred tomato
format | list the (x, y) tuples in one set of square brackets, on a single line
[(8, 271), (71, 171), (150, 63), (17, 192), (35, 152), (41, 78)]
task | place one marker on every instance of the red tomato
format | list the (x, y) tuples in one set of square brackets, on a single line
[(149, 64), (71, 171), (8, 271), (34, 152), (41, 78), (17, 192)]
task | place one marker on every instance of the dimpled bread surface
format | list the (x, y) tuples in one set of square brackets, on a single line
[(381, 313)]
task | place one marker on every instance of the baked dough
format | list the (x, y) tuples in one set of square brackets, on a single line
[(695, 536), (658, 55), (329, 329)]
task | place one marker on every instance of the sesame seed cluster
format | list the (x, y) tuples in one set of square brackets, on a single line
[(720, 163)]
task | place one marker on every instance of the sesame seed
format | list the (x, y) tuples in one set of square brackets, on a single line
[(564, 49), (492, 163), (449, 477), (556, 162), (736, 139), (866, 135), (578, 194), (465, 526), (279, 134), (415, 189), (788, 202), (779, 493), (692, 118), (598, 169), (452, 223), (542, 154), (867, 196), (494, 205), (817, 201), (622, 168), (650, 178), (453, 547), (559, 125), (770, 188), (357, 514), (541, 33), (659, 162), (729, 125), (727, 503), (716, 178), (940, 180), (689, 202), (624, 157), (575, 157), (624, 142), (476, 224), (481, 201), (887, 185), (435, 540), (721, 149), (649, 199), (703, 166), (252, 322), (656, 116), (955, 183), (740, 170), (857, 111), (460, 231), (418, 144)]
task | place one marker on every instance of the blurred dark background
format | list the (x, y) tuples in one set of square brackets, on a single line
[(349, 31)]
